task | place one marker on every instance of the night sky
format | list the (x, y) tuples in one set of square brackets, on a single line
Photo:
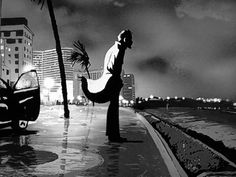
[(181, 47)]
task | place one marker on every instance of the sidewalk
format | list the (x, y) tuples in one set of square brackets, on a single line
[(78, 147)]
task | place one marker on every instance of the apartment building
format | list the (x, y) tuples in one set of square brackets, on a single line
[(38, 64), (16, 48), (46, 64), (128, 90), (77, 89)]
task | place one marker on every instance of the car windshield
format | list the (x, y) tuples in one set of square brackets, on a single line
[(2, 85), (28, 80), (4, 90)]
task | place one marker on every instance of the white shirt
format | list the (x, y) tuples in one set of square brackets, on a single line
[(113, 62)]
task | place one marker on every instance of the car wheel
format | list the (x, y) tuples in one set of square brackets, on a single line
[(19, 124)]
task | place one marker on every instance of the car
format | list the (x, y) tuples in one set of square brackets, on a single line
[(20, 103)]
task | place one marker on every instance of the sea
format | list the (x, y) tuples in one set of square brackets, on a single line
[(218, 125)]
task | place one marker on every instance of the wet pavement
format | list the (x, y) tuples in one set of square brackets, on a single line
[(76, 147)]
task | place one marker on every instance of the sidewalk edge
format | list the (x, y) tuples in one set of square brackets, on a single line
[(171, 162)]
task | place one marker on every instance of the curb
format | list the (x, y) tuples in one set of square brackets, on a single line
[(229, 166), (171, 162)]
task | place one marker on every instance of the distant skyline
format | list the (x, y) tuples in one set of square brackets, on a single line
[(181, 47)]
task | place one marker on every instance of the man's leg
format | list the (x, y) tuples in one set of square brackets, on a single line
[(113, 129)]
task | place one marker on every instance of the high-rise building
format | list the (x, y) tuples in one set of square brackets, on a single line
[(46, 64), (128, 90), (38, 64), (16, 41), (77, 89)]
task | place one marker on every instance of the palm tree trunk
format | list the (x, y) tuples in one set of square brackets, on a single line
[(60, 59)]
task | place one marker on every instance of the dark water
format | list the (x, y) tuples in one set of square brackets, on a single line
[(218, 125)]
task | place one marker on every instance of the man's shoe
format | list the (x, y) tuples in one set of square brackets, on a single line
[(117, 139)]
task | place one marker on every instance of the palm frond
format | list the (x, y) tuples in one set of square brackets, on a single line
[(40, 2), (79, 55)]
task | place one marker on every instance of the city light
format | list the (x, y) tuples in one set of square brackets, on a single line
[(28, 68), (121, 98), (48, 83), (79, 97), (151, 96)]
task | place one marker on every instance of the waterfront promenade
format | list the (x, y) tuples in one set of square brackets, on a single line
[(52, 146), (57, 147)]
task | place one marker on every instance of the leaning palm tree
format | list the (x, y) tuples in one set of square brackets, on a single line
[(59, 53), (80, 56)]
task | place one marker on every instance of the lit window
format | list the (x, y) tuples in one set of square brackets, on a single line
[(2, 54), (2, 47), (1, 41), (9, 49)]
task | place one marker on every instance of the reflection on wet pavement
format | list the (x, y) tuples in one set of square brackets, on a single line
[(21, 155), (64, 145), (18, 158), (76, 147), (113, 160), (69, 159)]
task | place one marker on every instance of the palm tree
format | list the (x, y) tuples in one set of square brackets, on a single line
[(59, 53), (79, 55)]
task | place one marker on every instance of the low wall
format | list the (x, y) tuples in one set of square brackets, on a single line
[(195, 157)]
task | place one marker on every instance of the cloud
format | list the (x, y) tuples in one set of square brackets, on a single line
[(179, 46), (220, 10), (119, 4), (156, 64)]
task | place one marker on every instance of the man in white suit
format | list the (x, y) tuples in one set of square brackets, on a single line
[(113, 62)]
